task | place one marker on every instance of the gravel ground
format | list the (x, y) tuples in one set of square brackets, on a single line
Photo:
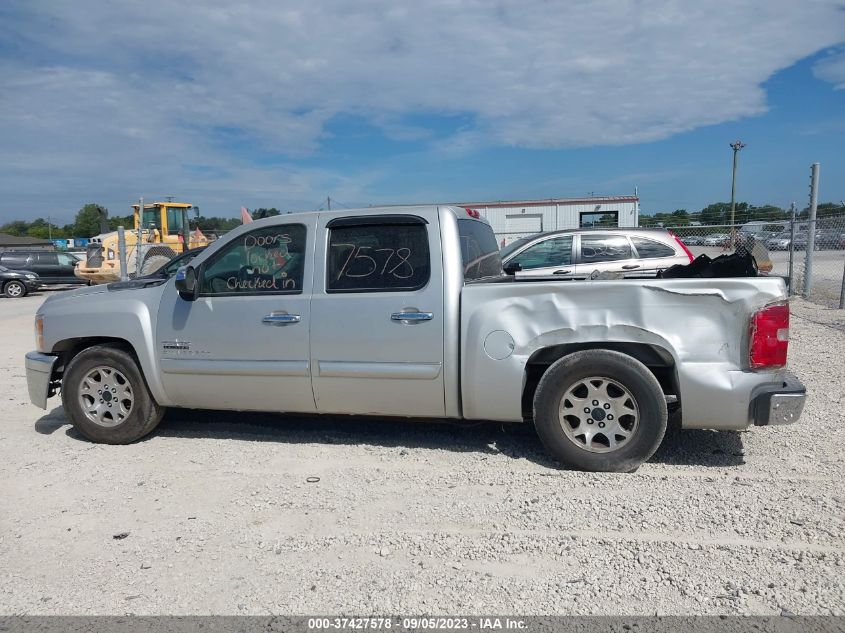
[(215, 514)]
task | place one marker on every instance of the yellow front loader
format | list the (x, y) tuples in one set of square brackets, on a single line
[(161, 232)]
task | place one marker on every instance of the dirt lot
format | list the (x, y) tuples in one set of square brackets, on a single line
[(219, 517)]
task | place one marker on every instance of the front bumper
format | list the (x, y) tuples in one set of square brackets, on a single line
[(778, 403), (39, 377)]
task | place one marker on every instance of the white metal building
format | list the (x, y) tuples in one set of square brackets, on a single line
[(512, 220)]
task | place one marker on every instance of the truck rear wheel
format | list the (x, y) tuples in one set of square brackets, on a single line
[(106, 398), (600, 410)]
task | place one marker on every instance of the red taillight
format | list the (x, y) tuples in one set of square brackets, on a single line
[(683, 246), (472, 213), (769, 337)]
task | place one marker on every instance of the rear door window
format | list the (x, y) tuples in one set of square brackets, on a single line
[(605, 248), (651, 248), (377, 257)]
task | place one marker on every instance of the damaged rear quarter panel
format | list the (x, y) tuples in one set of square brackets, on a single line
[(701, 323)]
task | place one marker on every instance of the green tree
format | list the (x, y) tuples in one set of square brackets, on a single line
[(126, 221), (18, 227), (767, 212), (679, 217), (716, 213), (828, 209), (87, 222), (214, 223), (257, 214), (40, 229)]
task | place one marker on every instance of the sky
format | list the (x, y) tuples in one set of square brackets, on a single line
[(281, 104)]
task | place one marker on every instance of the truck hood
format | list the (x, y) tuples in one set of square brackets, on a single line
[(99, 289), (67, 295)]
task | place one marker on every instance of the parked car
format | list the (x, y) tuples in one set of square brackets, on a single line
[(578, 253), (716, 239), (52, 267), (827, 239), (781, 242), (406, 312), (692, 240), (18, 283)]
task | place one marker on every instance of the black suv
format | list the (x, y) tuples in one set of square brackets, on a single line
[(51, 267)]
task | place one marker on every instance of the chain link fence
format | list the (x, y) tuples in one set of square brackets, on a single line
[(810, 259)]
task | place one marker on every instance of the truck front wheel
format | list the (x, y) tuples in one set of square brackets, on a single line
[(600, 410), (106, 398)]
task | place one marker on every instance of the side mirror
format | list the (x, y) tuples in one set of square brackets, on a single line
[(512, 269), (186, 283)]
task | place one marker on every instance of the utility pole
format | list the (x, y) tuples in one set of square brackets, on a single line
[(49, 228), (328, 203), (735, 146)]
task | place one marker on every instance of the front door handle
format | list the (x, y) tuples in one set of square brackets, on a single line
[(630, 267), (561, 272), (280, 318), (409, 318)]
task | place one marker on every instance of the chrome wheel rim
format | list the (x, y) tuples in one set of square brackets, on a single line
[(106, 396), (598, 414), (14, 290)]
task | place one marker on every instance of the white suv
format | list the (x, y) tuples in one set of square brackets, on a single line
[(578, 253)]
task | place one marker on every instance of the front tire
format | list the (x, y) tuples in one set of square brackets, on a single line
[(106, 397), (599, 410), (14, 289)]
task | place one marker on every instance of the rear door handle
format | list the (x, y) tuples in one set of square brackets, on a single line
[(409, 318), (280, 318), (561, 272), (630, 266)]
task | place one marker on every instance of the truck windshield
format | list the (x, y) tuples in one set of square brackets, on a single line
[(479, 251)]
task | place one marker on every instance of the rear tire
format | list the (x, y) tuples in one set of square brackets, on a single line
[(106, 397), (14, 289), (599, 410)]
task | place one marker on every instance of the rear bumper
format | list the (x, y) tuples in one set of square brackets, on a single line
[(778, 403), (39, 374)]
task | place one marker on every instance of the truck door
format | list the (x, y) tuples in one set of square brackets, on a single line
[(377, 315), (243, 344)]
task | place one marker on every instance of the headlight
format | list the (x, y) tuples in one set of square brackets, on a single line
[(39, 332), (31, 276)]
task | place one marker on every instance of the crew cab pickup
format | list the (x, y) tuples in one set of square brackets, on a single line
[(406, 312)]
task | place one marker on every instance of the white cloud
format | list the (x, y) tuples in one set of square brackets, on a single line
[(120, 97), (832, 69)]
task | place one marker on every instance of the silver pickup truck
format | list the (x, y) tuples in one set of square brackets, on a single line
[(406, 312)]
